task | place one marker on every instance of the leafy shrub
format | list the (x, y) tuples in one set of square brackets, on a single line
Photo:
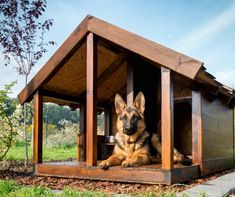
[(9, 126)]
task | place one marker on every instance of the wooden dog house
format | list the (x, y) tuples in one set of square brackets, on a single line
[(99, 60)]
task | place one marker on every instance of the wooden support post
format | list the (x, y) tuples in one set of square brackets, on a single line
[(167, 118), (107, 121), (82, 135), (91, 115), (197, 128), (130, 83), (38, 128)]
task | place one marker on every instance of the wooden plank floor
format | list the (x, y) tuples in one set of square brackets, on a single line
[(151, 174)]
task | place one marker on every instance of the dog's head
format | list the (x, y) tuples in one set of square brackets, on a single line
[(130, 118)]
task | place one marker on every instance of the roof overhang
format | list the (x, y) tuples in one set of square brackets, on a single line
[(150, 50)]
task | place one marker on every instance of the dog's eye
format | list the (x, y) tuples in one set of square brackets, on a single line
[(123, 117), (135, 118)]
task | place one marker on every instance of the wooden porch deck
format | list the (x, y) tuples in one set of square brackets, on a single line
[(150, 174)]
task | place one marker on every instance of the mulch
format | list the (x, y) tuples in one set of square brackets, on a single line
[(24, 175)]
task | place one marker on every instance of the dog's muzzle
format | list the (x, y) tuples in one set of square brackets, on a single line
[(129, 130)]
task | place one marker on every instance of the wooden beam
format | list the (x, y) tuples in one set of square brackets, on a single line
[(197, 128), (56, 61), (107, 72), (60, 96), (157, 53), (111, 68), (167, 119), (38, 128), (149, 174), (91, 114), (82, 134), (130, 83)]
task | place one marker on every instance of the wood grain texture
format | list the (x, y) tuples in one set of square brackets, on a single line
[(91, 113), (217, 134), (152, 51), (38, 128), (55, 62), (107, 74), (167, 123), (150, 174), (197, 128), (155, 52), (51, 96), (130, 82)]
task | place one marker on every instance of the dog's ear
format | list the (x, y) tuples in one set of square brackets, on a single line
[(120, 104), (139, 102)]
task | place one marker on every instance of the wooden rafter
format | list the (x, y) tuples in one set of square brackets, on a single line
[(154, 52), (108, 72)]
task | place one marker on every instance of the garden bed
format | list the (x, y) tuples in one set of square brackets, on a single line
[(24, 176)]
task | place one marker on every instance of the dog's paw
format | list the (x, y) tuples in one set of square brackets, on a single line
[(127, 163), (104, 164), (186, 161)]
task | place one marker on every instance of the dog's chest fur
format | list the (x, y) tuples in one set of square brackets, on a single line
[(127, 148)]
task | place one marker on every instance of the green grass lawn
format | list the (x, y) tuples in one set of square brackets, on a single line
[(12, 189), (17, 153)]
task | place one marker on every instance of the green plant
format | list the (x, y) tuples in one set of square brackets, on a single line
[(31, 191), (7, 187), (68, 192), (8, 122)]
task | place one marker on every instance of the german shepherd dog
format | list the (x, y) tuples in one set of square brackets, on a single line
[(133, 142)]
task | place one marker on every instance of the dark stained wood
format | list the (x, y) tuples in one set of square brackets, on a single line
[(197, 128), (217, 135), (130, 83), (107, 73), (216, 165), (59, 96), (82, 134), (210, 82), (183, 174), (167, 124), (55, 62), (155, 52), (91, 114), (111, 69), (183, 99), (38, 128), (150, 174)]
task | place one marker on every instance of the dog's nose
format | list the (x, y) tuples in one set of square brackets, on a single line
[(127, 128)]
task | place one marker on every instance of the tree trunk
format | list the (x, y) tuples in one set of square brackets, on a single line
[(25, 132)]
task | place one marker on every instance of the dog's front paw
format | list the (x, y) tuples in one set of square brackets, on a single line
[(104, 164), (127, 163)]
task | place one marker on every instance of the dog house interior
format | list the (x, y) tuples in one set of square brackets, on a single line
[(185, 105)]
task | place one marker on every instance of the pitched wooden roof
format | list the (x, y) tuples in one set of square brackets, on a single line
[(69, 51)]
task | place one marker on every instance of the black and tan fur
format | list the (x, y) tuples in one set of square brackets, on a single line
[(132, 139)]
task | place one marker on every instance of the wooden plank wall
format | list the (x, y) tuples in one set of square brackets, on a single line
[(217, 135)]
